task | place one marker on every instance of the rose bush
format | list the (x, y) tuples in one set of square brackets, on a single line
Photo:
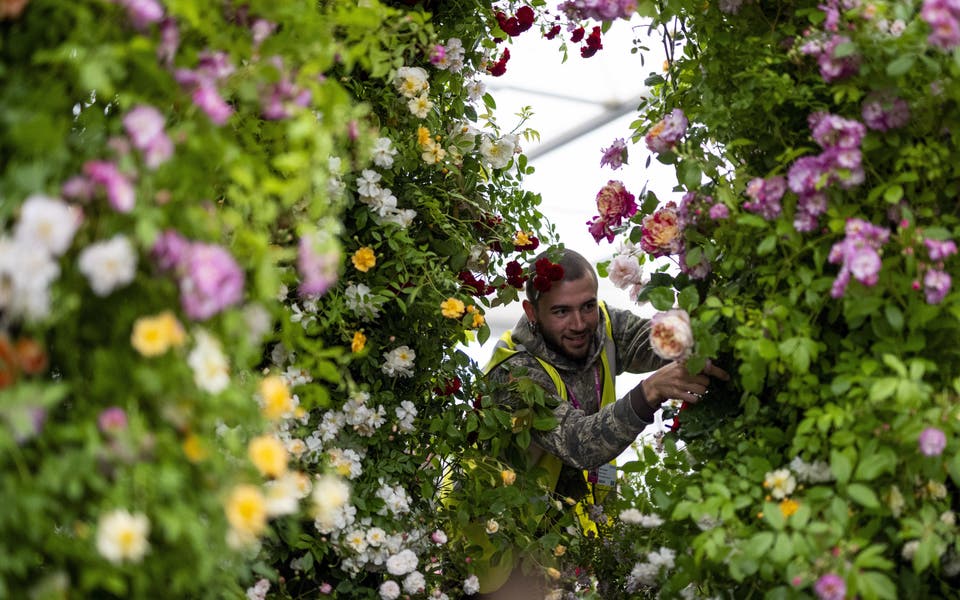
[(813, 240), (240, 244)]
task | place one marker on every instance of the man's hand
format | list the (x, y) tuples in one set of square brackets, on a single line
[(673, 382)]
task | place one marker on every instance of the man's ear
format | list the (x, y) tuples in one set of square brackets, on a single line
[(530, 311)]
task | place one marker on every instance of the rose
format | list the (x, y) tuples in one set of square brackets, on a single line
[(670, 335), (661, 232), (615, 203)]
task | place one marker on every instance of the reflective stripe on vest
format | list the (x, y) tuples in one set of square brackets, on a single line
[(550, 463)]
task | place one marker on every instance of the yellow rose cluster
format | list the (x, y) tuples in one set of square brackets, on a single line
[(452, 308), (153, 336)]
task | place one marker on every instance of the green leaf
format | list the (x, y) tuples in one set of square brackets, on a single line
[(841, 466), (876, 586), (894, 316), (863, 495), (688, 298), (893, 194), (661, 298), (758, 545), (767, 245), (883, 388), (901, 65), (689, 174), (874, 464)]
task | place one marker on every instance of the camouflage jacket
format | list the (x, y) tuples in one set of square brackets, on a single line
[(585, 437)]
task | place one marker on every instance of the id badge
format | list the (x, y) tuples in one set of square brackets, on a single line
[(607, 475)]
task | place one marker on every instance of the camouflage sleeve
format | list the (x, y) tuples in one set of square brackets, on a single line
[(579, 440), (631, 336)]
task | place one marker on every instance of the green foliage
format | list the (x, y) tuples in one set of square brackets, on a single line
[(833, 386)]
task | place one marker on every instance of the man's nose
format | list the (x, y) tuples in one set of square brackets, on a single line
[(577, 320)]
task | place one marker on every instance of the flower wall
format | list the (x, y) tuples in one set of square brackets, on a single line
[(811, 238), (240, 243)]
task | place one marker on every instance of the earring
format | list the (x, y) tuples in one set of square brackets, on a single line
[(532, 325)]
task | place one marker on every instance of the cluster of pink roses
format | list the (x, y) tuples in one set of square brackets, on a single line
[(936, 281), (600, 10), (210, 279), (858, 255), (615, 204), (840, 162), (943, 17)]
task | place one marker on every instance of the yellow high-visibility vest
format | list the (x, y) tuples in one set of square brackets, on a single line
[(492, 577)]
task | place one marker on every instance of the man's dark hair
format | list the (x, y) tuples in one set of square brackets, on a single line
[(574, 266)]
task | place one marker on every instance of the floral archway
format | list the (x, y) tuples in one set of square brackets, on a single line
[(242, 241)]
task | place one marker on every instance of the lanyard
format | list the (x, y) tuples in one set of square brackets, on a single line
[(598, 389)]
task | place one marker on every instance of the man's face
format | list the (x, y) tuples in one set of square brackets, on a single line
[(568, 316)]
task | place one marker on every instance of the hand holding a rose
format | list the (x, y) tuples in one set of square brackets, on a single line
[(672, 339)]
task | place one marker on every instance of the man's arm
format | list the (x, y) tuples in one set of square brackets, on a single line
[(579, 440)]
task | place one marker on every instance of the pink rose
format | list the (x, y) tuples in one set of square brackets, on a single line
[(661, 232), (670, 335)]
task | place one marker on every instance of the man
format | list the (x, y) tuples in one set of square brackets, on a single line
[(572, 346)]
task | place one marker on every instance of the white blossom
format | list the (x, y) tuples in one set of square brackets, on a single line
[(411, 81), (25, 278), (406, 413), (780, 482), (402, 562), (211, 371), (49, 223), (368, 183), (471, 585), (420, 106), (414, 583), (122, 536), (498, 152), (109, 264), (383, 153), (389, 590), (399, 361)]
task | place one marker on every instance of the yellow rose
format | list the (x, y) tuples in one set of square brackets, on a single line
[(553, 574), (452, 308), (247, 510), (359, 342), (364, 259), (268, 455), (423, 136), (276, 397), (478, 320), (194, 448), (153, 336), (508, 476), (788, 507), (521, 239), (560, 550)]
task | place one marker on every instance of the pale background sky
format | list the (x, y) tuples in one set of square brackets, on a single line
[(565, 97), (573, 97)]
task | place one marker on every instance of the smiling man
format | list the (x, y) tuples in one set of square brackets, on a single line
[(573, 346)]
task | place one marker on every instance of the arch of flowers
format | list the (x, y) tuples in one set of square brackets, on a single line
[(241, 242)]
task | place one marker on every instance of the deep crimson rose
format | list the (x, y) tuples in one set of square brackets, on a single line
[(593, 44), (510, 25), (554, 31), (500, 67), (577, 35), (525, 17), (515, 275), (546, 273)]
